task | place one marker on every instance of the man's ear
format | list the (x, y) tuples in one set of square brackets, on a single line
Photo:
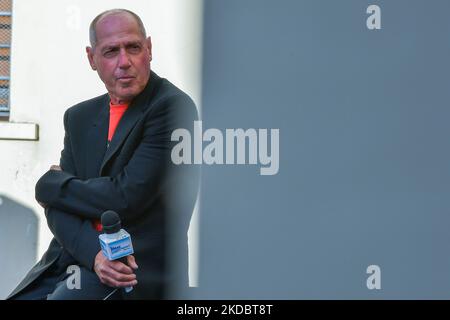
[(90, 55), (148, 42)]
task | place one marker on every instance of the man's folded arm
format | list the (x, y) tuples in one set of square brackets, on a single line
[(75, 234), (137, 185)]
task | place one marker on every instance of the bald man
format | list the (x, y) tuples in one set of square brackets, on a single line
[(116, 157)]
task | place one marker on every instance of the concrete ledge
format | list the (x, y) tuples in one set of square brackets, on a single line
[(19, 131)]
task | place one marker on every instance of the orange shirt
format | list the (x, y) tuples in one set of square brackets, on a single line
[(116, 112)]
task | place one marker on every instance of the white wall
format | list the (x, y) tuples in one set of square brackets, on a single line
[(50, 73)]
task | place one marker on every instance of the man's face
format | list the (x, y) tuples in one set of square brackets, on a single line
[(121, 57)]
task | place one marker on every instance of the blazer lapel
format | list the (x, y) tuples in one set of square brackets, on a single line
[(97, 139), (129, 119)]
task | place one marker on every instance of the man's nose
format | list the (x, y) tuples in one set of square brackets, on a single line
[(124, 60)]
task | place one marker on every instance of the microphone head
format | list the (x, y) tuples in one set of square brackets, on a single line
[(111, 222)]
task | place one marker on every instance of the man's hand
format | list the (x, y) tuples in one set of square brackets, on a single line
[(43, 205), (115, 273)]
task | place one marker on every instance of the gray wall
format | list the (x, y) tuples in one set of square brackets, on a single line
[(18, 236), (364, 150)]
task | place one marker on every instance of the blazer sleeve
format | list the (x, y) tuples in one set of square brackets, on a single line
[(133, 190), (75, 234)]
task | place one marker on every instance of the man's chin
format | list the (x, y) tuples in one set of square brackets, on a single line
[(127, 95)]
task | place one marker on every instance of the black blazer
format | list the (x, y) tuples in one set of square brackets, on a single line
[(133, 176)]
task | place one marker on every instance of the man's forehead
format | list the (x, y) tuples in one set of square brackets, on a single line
[(125, 42)]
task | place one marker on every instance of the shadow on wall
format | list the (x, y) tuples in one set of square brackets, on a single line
[(18, 235)]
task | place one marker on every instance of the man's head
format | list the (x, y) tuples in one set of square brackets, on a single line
[(120, 53)]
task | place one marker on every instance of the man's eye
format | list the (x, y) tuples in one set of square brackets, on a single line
[(134, 48), (110, 53)]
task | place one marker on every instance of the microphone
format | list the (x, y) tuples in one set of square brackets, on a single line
[(115, 241)]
